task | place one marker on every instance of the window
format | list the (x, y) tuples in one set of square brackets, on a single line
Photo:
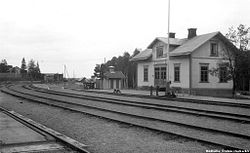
[(163, 72), (160, 72), (214, 49), (204, 73), (223, 74), (145, 74), (157, 73), (159, 51), (176, 72)]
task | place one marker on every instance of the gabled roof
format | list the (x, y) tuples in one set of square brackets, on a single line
[(144, 55), (172, 41), (191, 44), (114, 75), (184, 46)]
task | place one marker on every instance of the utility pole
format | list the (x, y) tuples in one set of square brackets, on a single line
[(167, 58), (65, 73)]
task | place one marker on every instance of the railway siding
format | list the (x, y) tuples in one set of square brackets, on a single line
[(236, 128), (233, 141), (25, 135), (235, 108)]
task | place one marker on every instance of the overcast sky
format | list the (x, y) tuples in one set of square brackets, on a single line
[(81, 33)]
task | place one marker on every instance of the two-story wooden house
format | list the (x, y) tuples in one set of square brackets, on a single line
[(190, 60)]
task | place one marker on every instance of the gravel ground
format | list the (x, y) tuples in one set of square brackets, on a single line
[(101, 135)]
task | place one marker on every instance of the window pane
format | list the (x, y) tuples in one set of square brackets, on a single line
[(145, 74), (214, 49), (177, 73), (163, 72), (204, 73), (157, 73), (159, 52)]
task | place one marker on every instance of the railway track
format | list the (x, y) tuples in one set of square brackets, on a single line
[(202, 126), (178, 99), (52, 141), (209, 112)]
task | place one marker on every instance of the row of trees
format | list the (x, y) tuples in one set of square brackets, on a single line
[(120, 63), (4, 67), (30, 71)]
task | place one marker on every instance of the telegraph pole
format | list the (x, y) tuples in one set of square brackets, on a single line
[(167, 58)]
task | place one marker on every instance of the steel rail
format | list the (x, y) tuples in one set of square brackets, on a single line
[(178, 99), (100, 108), (181, 109), (200, 129), (67, 141)]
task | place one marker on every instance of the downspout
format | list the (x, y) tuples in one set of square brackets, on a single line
[(136, 76), (190, 74)]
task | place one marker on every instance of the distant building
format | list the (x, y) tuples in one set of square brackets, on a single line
[(190, 60), (112, 80), (52, 77)]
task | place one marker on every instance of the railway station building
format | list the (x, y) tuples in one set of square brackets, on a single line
[(190, 62)]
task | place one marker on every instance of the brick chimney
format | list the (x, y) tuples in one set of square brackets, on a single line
[(171, 35), (191, 33)]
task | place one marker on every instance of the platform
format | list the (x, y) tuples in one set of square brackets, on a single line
[(15, 136)]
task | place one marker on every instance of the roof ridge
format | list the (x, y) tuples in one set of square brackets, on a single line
[(195, 36)]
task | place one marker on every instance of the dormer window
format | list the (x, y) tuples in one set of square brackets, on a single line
[(214, 49), (159, 52)]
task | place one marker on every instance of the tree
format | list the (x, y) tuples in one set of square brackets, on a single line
[(23, 66), (240, 37), (234, 61), (23, 69), (243, 71), (4, 68), (31, 68), (34, 70), (37, 71), (99, 71), (133, 70)]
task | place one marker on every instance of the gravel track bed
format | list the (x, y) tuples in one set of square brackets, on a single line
[(103, 136), (229, 109), (224, 125)]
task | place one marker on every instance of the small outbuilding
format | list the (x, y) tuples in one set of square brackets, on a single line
[(111, 80)]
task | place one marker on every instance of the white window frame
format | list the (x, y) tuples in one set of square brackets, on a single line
[(214, 53), (159, 49), (207, 71), (177, 65), (145, 74)]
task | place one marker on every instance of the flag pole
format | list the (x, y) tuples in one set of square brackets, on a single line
[(167, 57)]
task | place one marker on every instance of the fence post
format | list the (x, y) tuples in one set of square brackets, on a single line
[(157, 90), (151, 90)]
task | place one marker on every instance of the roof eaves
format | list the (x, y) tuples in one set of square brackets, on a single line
[(180, 54), (144, 55), (140, 58)]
